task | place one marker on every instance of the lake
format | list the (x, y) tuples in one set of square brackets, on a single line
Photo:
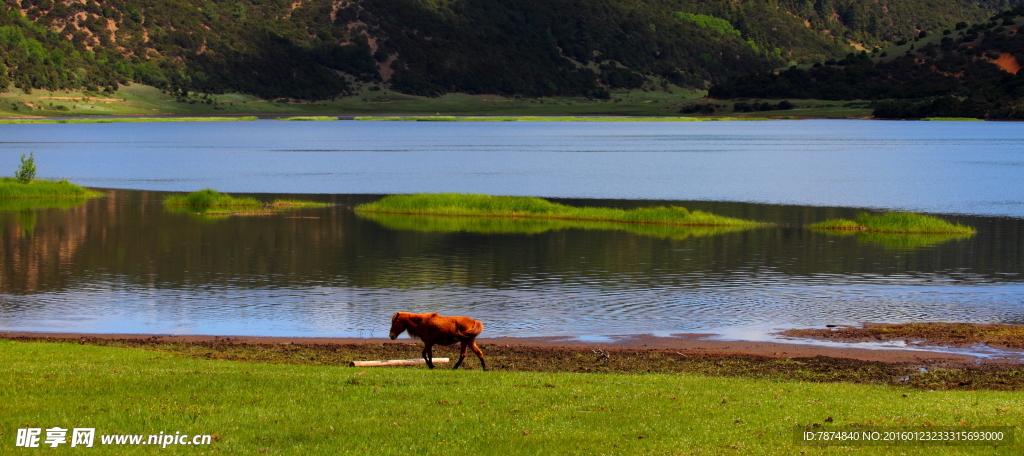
[(124, 264)]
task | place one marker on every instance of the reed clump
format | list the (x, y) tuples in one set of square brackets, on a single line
[(895, 222), (470, 205), (12, 188), (209, 197)]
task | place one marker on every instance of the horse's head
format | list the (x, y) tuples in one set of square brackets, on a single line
[(397, 325)]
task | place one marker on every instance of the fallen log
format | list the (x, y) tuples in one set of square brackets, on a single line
[(395, 362)]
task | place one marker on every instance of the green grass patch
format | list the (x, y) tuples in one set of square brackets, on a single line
[(309, 118), (211, 203), (953, 119), (311, 410), (45, 189), (124, 119), (550, 119), (503, 225), (208, 198), (895, 222), (470, 205)]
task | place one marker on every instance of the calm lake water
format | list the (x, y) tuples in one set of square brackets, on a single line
[(124, 264)]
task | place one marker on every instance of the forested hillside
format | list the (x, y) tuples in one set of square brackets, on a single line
[(971, 71), (318, 49)]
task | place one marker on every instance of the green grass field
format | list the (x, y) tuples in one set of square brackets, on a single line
[(288, 409), (122, 120), (463, 205), (146, 101)]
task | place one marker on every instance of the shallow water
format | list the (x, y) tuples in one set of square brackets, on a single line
[(124, 264), (942, 167)]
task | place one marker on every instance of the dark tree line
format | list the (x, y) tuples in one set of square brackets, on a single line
[(955, 78)]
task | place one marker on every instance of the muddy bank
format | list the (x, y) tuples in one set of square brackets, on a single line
[(632, 356), (689, 344), (923, 334)]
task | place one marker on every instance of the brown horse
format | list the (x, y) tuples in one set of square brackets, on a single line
[(434, 329)]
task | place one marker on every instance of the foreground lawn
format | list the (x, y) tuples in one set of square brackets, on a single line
[(289, 409)]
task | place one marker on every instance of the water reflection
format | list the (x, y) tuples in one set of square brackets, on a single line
[(900, 241), (503, 225), (26, 209), (35, 204), (124, 264)]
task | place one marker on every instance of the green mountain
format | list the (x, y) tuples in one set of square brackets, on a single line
[(970, 71), (319, 49)]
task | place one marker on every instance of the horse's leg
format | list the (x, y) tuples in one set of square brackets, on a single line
[(479, 353), (462, 356), (428, 355)]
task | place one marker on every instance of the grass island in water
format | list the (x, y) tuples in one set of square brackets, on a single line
[(896, 223), (309, 118), (10, 188), (469, 205), (212, 202)]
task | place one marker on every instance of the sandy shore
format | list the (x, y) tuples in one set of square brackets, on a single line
[(687, 344)]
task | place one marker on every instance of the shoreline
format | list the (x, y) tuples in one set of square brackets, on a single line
[(687, 354), (244, 116), (683, 344)]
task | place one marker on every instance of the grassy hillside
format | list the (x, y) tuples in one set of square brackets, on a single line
[(321, 50)]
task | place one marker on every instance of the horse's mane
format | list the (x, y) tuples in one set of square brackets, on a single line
[(411, 332)]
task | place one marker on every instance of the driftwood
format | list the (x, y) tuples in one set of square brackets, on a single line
[(395, 362)]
